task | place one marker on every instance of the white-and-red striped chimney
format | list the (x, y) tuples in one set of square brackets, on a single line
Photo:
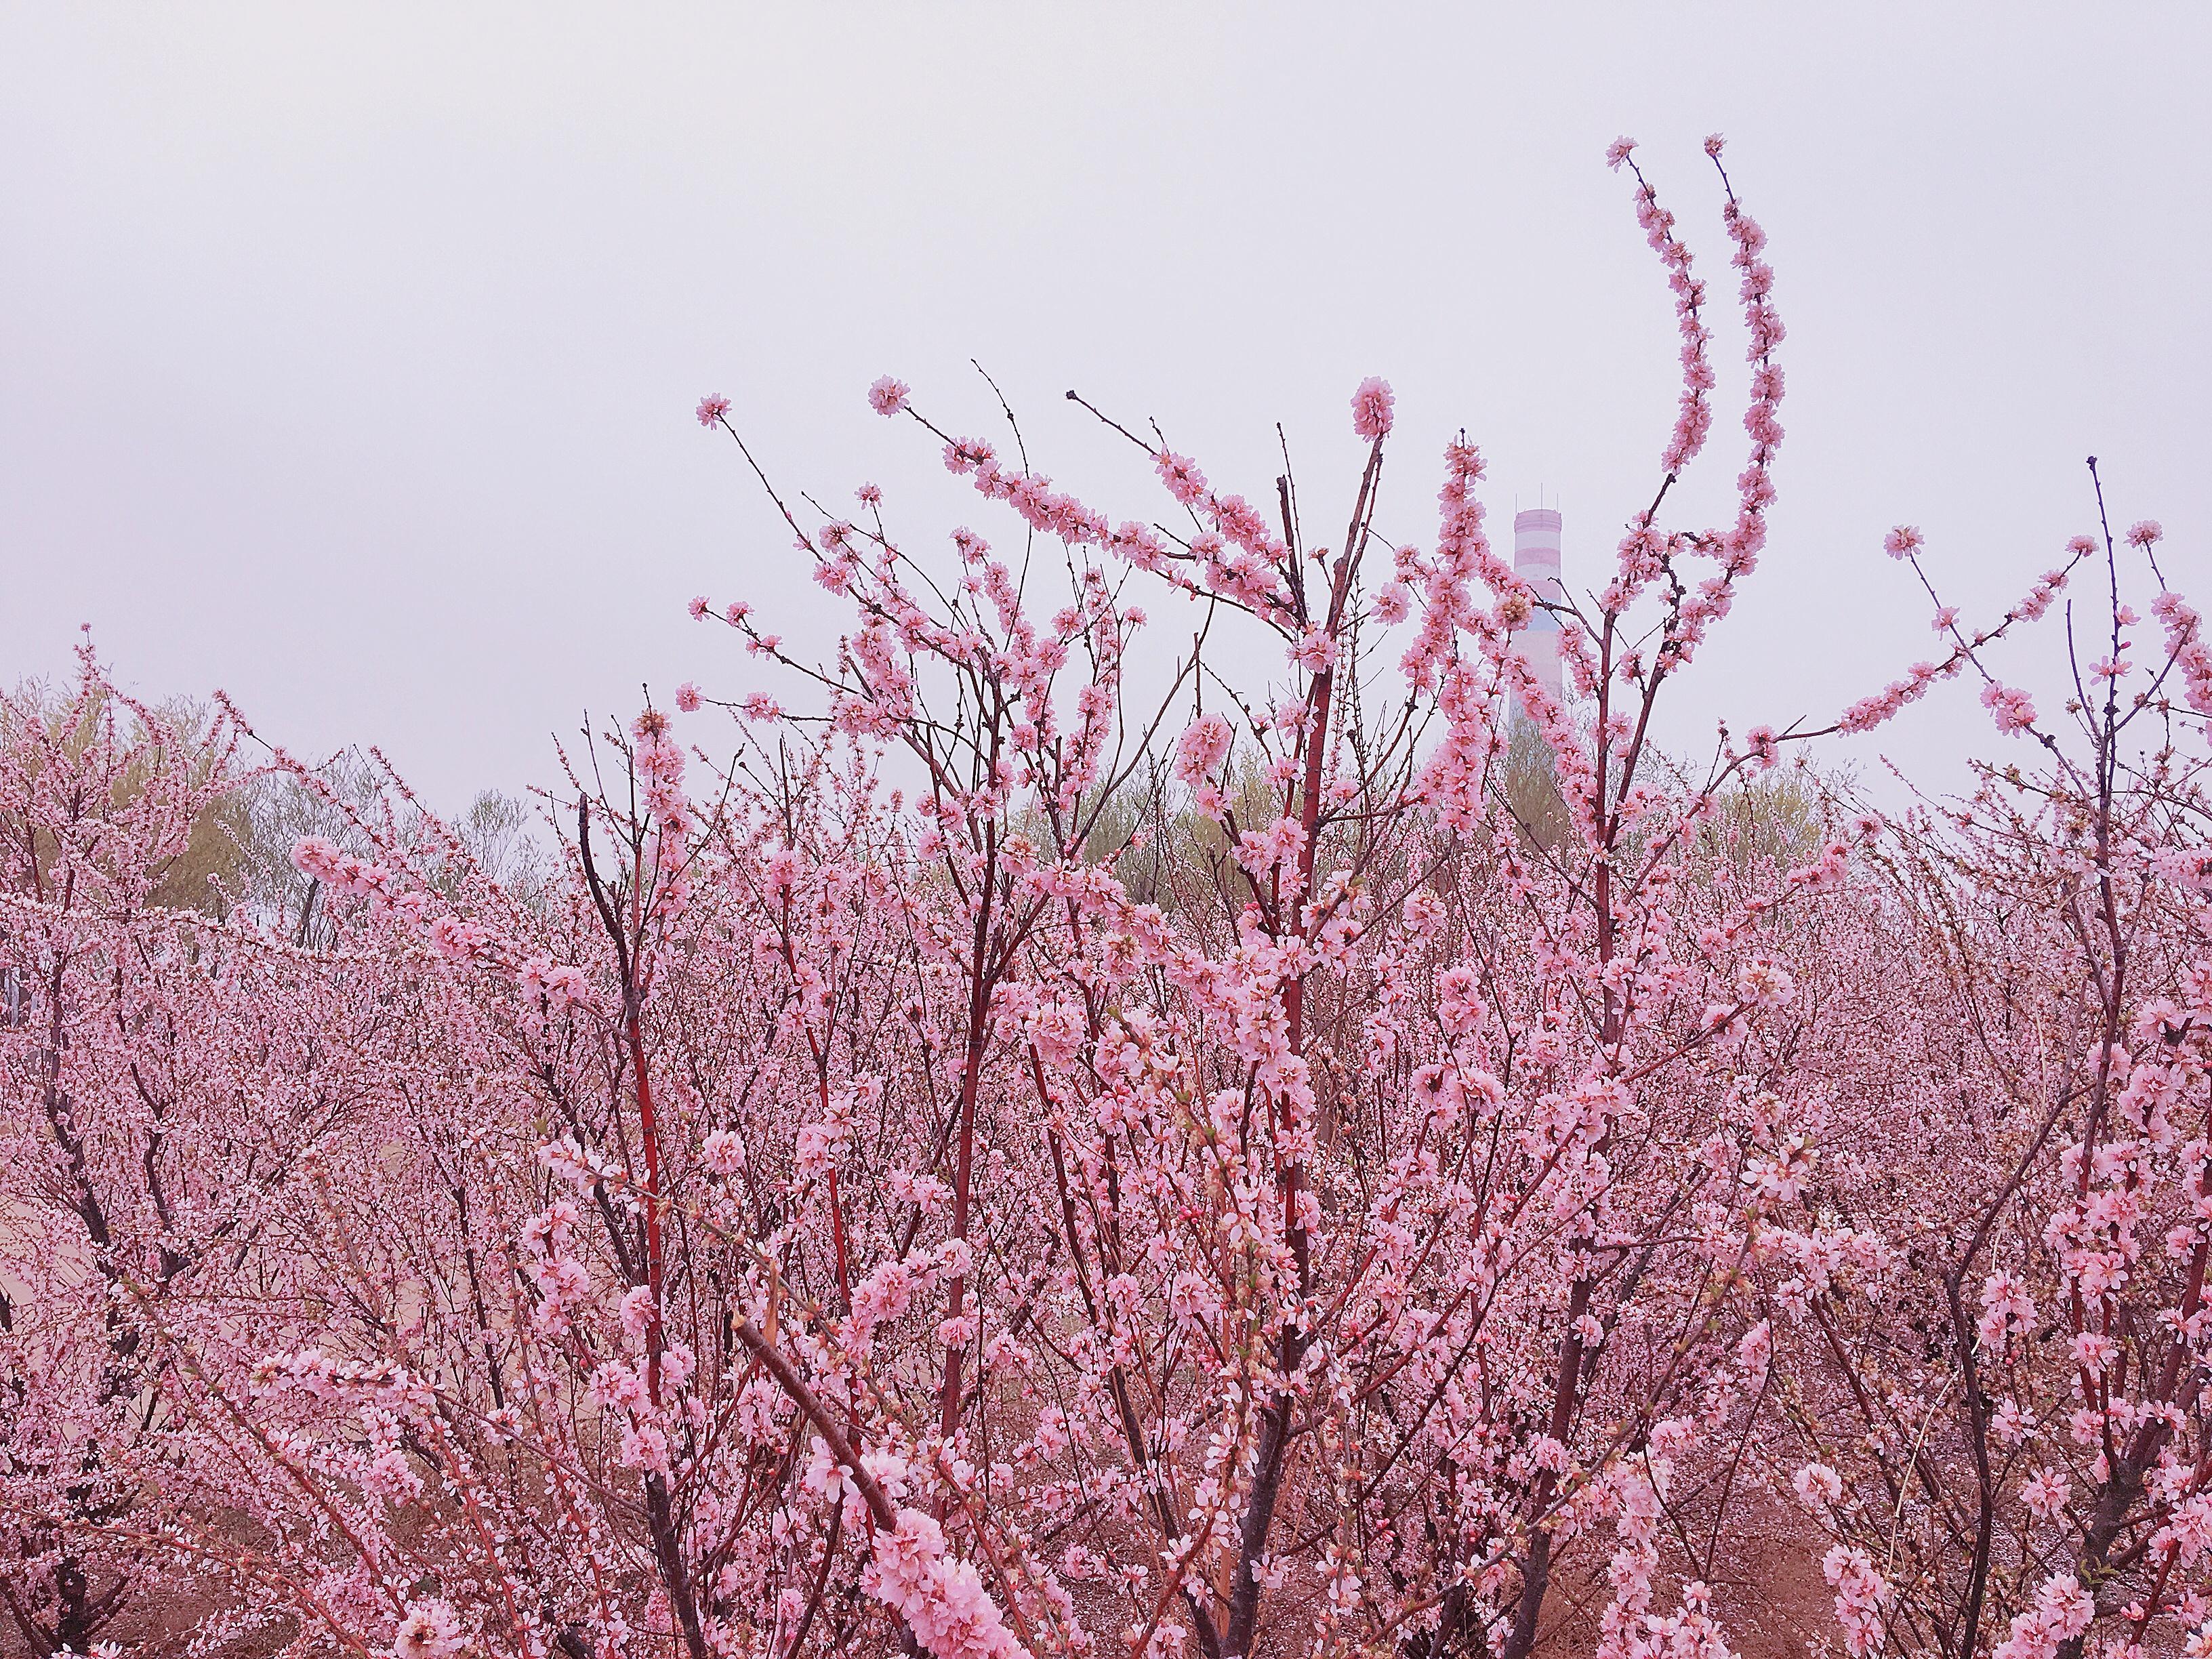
[(1536, 559)]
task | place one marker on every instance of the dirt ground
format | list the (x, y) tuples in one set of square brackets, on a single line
[(1776, 1605)]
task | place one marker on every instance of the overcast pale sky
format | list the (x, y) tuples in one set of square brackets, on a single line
[(348, 354)]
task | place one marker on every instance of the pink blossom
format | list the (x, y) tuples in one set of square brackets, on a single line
[(429, 1630), (941, 1600), (723, 1153), (1184, 479), (1371, 408), (888, 396), (1764, 983), (2012, 709), (2044, 1493), (1818, 1485), (1316, 652), (1860, 1595), (1202, 747)]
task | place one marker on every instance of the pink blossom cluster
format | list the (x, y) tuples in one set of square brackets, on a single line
[(942, 1600)]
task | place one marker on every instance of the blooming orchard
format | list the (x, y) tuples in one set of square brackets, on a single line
[(991, 1158)]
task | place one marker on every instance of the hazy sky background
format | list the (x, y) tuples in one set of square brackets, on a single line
[(348, 354)]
